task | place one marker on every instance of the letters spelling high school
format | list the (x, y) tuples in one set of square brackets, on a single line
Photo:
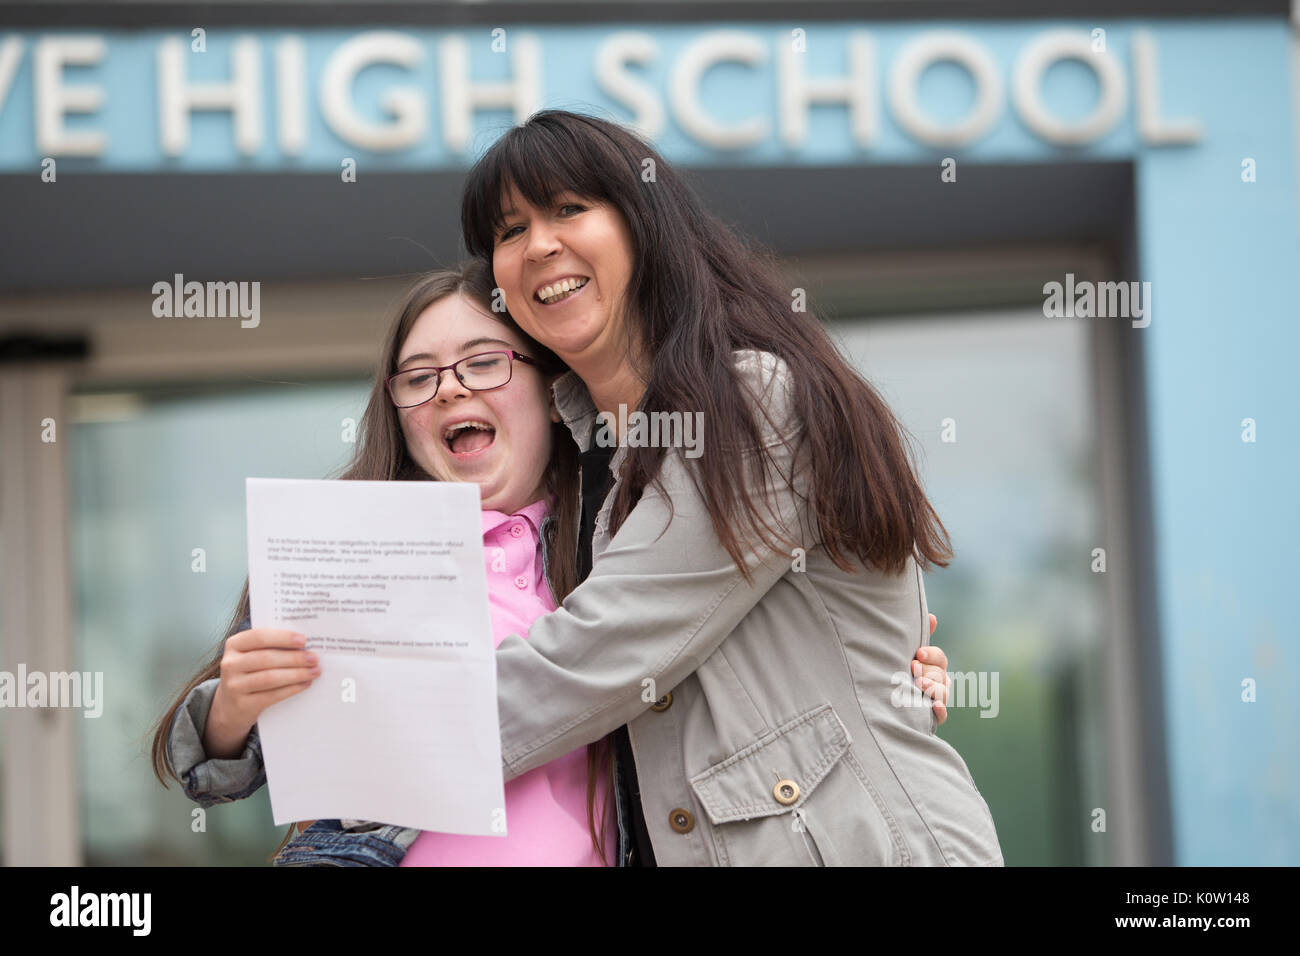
[(291, 95)]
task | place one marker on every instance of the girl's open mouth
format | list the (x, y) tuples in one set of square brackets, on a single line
[(467, 439)]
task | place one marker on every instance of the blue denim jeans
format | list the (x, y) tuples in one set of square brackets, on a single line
[(326, 843)]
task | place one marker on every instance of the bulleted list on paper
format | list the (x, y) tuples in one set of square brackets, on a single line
[(387, 582), (343, 581)]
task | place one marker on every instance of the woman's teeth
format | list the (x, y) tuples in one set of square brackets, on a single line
[(561, 290), (465, 438)]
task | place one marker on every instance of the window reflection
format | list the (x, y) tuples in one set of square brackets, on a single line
[(1018, 492)]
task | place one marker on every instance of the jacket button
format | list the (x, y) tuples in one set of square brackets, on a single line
[(681, 820), (517, 530), (786, 792), (521, 582), (663, 703)]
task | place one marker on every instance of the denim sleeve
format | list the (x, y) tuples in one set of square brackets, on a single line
[(208, 782), (211, 781)]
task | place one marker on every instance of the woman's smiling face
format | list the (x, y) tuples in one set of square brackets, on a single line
[(508, 459), (577, 245)]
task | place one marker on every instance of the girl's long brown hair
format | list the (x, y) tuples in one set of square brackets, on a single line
[(381, 455), (698, 292)]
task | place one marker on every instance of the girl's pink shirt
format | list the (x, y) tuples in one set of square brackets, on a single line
[(546, 808)]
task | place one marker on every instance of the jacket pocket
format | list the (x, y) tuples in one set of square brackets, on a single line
[(798, 796)]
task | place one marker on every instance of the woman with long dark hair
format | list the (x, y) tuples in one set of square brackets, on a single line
[(754, 599)]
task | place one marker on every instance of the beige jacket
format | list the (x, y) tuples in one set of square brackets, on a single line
[(762, 715)]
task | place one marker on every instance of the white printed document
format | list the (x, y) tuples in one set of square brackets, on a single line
[(386, 580)]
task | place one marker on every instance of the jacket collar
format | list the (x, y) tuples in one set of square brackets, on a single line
[(575, 406), (573, 402)]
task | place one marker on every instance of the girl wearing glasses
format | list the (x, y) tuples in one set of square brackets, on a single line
[(461, 394)]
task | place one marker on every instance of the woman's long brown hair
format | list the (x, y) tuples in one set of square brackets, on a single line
[(698, 292), (381, 455)]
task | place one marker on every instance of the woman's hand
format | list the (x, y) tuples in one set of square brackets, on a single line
[(930, 670), (259, 667)]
